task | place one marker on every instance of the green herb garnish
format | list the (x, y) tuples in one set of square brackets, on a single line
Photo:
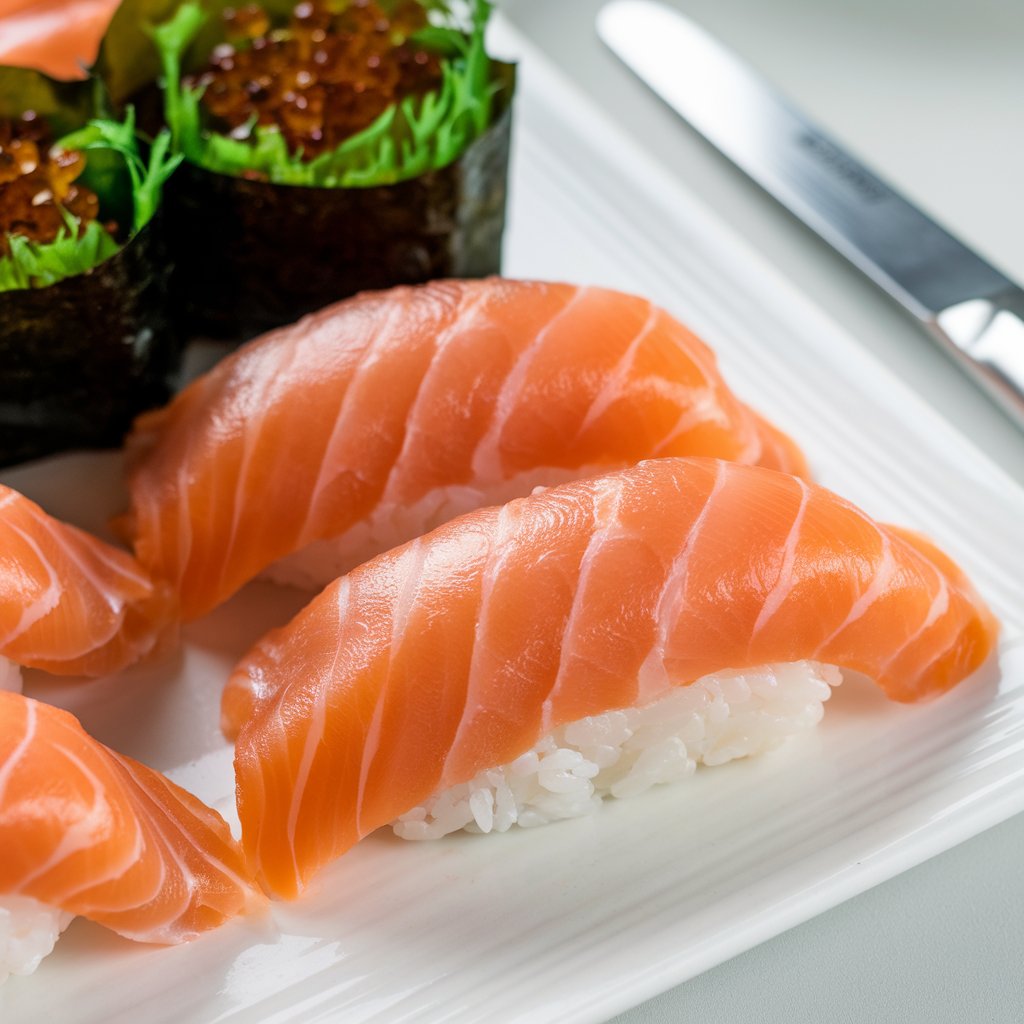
[(147, 176), (31, 265), (78, 249)]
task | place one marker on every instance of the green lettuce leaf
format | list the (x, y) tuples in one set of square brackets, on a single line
[(30, 265)]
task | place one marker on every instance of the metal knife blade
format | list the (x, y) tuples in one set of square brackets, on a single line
[(970, 307)]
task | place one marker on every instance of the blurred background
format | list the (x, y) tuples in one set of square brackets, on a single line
[(930, 94)]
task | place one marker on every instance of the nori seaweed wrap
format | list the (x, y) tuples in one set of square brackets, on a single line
[(86, 341), (281, 208)]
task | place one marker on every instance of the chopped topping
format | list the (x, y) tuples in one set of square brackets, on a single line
[(330, 73), (38, 183)]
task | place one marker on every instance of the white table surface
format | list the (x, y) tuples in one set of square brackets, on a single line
[(930, 93)]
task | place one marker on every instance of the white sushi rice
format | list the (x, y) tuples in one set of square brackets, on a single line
[(391, 524), (28, 931), (10, 676), (28, 928), (568, 773)]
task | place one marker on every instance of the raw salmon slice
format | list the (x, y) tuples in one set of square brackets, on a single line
[(374, 420), (456, 652), (69, 603), (59, 37), (86, 831)]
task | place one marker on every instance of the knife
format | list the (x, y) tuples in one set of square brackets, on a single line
[(975, 312)]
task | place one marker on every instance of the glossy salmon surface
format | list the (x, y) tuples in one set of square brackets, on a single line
[(381, 417), (93, 833), (457, 651), (59, 37), (70, 603)]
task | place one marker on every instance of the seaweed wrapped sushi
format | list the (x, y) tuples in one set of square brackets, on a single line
[(330, 146), (85, 338)]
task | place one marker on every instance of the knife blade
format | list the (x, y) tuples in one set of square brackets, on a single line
[(973, 310)]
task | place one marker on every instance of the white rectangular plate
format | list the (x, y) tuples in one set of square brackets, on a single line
[(577, 921)]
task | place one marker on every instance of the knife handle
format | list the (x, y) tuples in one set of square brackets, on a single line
[(986, 336)]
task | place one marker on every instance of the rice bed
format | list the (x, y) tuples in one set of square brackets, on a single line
[(28, 931), (10, 676), (568, 773)]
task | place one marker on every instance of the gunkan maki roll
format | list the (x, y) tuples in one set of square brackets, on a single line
[(85, 337), (330, 146)]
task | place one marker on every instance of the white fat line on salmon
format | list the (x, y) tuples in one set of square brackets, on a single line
[(935, 656), (274, 720), (314, 735), (490, 572), (699, 406), (607, 503), (329, 467), (151, 552), (938, 607), (769, 444), (486, 460), (652, 679), (761, 444), (698, 350), (81, 547), (879, 581), (317, 719), (149, 541), (784, 583), (183, 509), (619, 375), (459, 326), (261, 402), (120, 563), (93, 907), (703, 404), (163, 824), (45, 603), (84, 833), (214, 825), (103, 591), (8, 766), (414, 557), (258, 794)]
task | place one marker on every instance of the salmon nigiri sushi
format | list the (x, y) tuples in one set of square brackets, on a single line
[(59, 37), (368, 423), (70, 603), (85, 831), (521, 662)]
